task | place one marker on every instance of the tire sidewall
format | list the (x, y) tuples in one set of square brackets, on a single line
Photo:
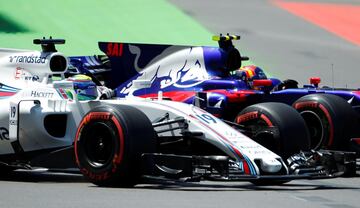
[(132, 135), (293, 134), (338, 118), (93, 118)]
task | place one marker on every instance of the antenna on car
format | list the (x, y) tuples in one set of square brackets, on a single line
[(225, 41), (332, 76), (234, 57), (48, 45)]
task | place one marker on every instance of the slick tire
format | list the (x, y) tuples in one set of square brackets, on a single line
[(5, 169), (330, 119), (109, 143), (276, 126)]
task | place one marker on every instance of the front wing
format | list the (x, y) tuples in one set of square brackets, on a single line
[(305, 165)]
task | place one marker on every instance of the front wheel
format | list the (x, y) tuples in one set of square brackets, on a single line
[(109, 143), (276, 126)]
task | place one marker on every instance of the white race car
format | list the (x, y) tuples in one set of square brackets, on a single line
[(45, 121)]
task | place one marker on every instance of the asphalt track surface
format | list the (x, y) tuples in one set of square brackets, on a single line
[(290, 39), (39, 190), (287, 46)]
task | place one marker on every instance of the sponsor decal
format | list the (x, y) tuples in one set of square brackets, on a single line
[(96, 116), (95, 176), (35, 78), (31, 78), (21, 73), (4, 134), (114, 49), (309, 104), (18, 72), (13, 112), (32, 59), (247, 116), (41, 94)]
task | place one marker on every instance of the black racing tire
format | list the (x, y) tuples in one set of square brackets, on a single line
[(292, 134), (330, 119), (109, 143), (5, 169)]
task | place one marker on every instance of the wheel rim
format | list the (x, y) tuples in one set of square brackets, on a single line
[(316, 128), (99, 145), (265, 138)]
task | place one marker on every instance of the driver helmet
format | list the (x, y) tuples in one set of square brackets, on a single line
[(84, 87), (249, 73)]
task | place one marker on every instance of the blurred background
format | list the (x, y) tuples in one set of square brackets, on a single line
[(287, 38)]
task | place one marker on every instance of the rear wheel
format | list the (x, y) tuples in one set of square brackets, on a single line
[(330, 119), (109, 144), (276, 126)]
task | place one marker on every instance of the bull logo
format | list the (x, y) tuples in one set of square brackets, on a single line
[(187, 71)]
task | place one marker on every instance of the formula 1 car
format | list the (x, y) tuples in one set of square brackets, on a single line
[(214, 79), (44, 122)]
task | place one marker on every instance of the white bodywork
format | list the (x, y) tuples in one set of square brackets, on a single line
[(33, 96)]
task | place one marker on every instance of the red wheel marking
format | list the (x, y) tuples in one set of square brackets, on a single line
[(311, 104), (102, 116), (253, 115), (267, 120), (247, 116), (118, 158), (314, 104), (327, 114)]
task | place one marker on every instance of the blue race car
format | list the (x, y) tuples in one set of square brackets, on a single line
[(214, 79)]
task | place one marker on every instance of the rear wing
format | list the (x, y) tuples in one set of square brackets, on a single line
[(128, 60)]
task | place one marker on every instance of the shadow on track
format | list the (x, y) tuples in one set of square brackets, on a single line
[(296, 185), (169, 185), (243, 187), (41, 176)]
